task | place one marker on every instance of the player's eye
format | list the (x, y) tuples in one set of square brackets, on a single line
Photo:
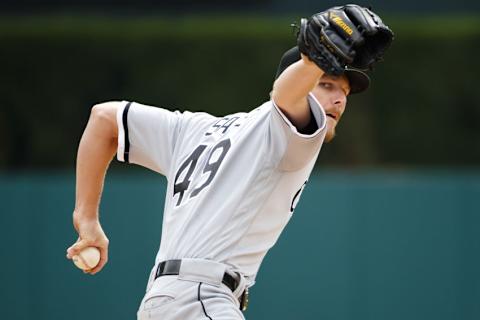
[(326, 85)]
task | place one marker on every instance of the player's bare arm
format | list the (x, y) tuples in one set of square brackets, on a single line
[(96, 150), (291, 88)]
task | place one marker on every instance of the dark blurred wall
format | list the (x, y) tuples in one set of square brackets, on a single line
[(421, 110), (263, 6)]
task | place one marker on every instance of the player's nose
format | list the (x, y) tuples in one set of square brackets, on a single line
[(339, 100), (338, 104)]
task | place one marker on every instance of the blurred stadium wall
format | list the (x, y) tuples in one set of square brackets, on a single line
[(368, 246)]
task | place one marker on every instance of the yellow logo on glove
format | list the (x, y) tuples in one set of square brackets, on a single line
[(341, 23)]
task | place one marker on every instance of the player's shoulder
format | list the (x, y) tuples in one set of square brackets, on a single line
[(202, 116), (257, 113), (197, 117), (182, 115), (264, 107)]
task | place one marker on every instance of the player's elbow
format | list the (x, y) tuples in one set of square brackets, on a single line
[(104, 115), (282, 98), (275, 95)]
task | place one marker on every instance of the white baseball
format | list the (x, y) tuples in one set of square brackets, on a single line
[(87, 259)]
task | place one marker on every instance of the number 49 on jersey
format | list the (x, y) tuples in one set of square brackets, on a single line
[(190, 164)]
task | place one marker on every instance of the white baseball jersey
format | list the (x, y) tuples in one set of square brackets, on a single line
[(233, 182)]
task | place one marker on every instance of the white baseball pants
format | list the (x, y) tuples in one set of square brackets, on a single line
[(196, 293)]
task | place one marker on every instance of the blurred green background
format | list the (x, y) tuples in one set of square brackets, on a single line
[(388, 227)]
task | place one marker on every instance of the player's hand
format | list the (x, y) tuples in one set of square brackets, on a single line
[(90, 234), (342, 36)]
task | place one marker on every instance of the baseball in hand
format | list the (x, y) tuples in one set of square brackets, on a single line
[(87, 259)]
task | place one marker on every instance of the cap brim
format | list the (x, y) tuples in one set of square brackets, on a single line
[(359, 81)]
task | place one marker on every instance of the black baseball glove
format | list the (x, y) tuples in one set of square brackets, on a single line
[(343, 36)]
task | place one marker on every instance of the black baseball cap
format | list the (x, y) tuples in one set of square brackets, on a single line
[(359, 80)]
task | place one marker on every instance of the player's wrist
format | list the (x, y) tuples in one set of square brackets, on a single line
[(310, 66), (90, 230), (307, 60), (85, 215)]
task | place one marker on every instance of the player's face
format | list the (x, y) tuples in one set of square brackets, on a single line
[(332, 94)]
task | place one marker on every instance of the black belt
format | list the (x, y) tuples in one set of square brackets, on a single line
[(172, 268)]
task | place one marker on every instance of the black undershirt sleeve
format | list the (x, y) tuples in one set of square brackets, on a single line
[(311, 127)]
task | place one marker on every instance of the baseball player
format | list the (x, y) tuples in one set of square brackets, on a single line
[(233, 181)]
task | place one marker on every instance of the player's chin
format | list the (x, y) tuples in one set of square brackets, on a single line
[(330, 133)]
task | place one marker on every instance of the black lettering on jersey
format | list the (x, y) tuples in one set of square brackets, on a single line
[(213, 167), (191, 163), (223, 123), (296, 197)]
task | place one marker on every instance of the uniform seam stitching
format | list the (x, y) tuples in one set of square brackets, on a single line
[(266, 164), (274, 176), (201, 302)]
